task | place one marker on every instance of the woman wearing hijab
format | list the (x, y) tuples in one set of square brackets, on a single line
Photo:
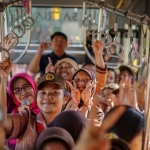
[(54, 138), (72, 121), (16, 95), (84, 87)]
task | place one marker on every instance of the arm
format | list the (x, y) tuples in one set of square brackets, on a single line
[(15, 123), (34, 65), (101, 69), (7, 123)]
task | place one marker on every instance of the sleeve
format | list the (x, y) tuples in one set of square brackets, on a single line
[(19, 122), (101, 75)]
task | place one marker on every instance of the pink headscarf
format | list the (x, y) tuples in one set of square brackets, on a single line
[(15, 104)]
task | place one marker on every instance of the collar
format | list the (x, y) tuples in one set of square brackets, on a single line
[(40, 118)]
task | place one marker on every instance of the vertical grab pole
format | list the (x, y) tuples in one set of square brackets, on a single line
[(101, 9), (83, 17), (84, 34), (147, 109), (1, 35)]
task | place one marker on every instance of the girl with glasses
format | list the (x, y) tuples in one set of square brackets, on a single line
[(22, 87), (86, 83)]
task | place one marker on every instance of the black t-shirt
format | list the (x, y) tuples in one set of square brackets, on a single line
[(54, 58)]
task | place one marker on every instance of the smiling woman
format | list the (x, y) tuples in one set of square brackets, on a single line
[(20, 87), (66, 68)]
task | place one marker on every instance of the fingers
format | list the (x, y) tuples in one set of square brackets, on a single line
[(10, 42), (43, 46), (9, 38), (113, 117), (50, 68), (90, 85), (70, 85), (50, 61), (74, 84)]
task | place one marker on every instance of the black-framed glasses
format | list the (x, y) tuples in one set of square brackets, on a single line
[(19, 90)]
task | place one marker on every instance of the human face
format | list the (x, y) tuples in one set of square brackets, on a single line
[(66, 70), (124, 75), (107, 95), (50, 98), (106, 92), (54, 146), (136, 143), (59, 44), (81, 79), (110, 77), (25, 94)]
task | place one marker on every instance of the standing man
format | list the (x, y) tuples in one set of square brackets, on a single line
[(58, 45)]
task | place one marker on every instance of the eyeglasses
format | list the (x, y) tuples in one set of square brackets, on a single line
[(67, 67), (84, 81), (19, 90)]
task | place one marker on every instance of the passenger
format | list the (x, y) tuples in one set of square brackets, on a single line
[(54, 138), (105, 94), (111, 76), (125, 95), (58, 45), (89, 66), (130, 127), (126, 72), (72, 121), (17, 94), (65, 67), (82, 89), (25, 125)]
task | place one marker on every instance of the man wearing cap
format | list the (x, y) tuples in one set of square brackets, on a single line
[(58, 45)]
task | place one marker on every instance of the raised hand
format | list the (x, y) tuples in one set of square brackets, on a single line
[(127, 94), (42, 47), (75, 93), (6, 69), (50, 67), (87, 94), (98, 47), (93, 138), (9, 43)]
